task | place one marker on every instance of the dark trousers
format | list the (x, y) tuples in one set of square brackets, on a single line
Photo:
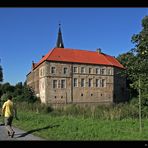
[(8, 124)]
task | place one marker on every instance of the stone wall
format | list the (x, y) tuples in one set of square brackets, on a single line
[(54, 86)]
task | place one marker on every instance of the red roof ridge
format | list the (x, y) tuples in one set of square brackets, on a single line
[(79, 49), (79, 56)]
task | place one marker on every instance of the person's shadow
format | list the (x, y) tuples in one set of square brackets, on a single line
[(34, 130)]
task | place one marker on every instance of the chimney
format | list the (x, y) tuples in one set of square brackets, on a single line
[(42, 56), (98, 50)]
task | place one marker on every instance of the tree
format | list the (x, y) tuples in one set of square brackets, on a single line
[(127, 60), (1, 74), (136, 62), (141, 53), (6, 87)]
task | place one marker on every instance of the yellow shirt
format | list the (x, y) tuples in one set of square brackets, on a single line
[(7, 108)]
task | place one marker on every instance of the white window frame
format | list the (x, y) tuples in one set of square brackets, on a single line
[(82, 82), (41, 72), (63, 80), (103, 83), (103, 71), (53, 70), (82, 69), (75, 69), (75, 82), (97, 82), (65, 70), (109, 72), (90, 82), (54, 85), (97, 70), (90, 70)]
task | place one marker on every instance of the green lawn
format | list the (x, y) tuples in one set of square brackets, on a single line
[(78, 128)]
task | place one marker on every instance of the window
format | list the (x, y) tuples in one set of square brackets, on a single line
[(82, 83), (90, 70), (43, 85), (43, 71), (97, 70), (75, 69), (65, 70), (75, 82), (40, 72), (97, 83), (109, 71), (90, 83), (82, 69), (63, 84), (59, 84), (102, 71), (103, 83), (55, 82), (53, 70)]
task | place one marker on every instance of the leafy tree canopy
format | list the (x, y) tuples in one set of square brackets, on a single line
[(136, 60)]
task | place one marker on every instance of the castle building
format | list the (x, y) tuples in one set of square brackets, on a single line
[(66, 75)]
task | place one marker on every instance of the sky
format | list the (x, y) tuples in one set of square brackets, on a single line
[(26, 34)]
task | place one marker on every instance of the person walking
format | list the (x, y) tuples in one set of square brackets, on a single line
[(9, 111)]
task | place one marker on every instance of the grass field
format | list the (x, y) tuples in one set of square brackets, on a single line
[(78, 128)]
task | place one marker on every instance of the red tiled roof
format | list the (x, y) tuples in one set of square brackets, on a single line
[(79, 56)]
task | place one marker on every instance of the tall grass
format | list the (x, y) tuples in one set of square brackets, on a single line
[(82, 121), (78, 128), (105, 112)]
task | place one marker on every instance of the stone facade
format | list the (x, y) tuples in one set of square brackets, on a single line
[(63, 82), (67, 75)]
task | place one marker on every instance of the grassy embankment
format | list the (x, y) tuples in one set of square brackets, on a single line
[(52, 126)]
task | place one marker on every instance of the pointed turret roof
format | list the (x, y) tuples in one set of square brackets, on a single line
[(59, 43)]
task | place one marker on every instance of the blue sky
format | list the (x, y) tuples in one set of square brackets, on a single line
[(28, 33)]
